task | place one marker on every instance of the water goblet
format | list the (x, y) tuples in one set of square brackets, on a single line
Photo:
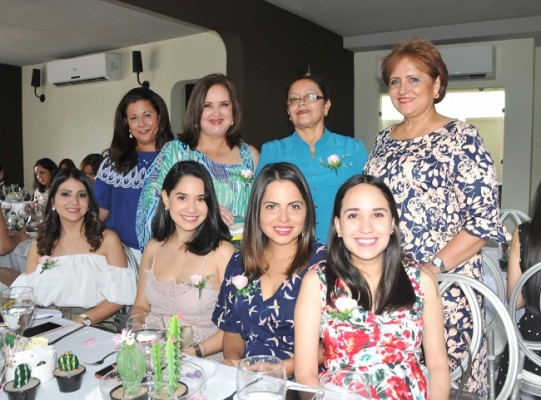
[(186, 336), (17, 308), (343, 385), (261, 378), (147, 328)]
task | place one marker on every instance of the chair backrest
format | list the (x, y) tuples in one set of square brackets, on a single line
[(471, 287), (122, 316), (527, 348), (511, 218)]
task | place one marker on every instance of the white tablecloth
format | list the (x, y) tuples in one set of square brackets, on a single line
[(219, 386)]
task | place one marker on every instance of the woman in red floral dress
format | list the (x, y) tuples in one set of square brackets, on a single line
[(372, 309)]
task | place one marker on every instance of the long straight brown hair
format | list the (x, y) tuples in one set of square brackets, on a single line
[(255, 241)]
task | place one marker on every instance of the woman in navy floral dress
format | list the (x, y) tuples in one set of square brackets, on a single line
[(258, 294), (444, 182)]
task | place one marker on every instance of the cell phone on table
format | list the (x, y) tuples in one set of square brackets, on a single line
[(39, 329), (299, 394), (105, 370)]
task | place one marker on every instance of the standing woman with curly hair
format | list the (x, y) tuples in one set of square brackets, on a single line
[(75, 263), (141, 129)]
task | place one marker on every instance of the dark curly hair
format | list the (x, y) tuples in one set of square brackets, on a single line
[(50, 230), (122, 153)]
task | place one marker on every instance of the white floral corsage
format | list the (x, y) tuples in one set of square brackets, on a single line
[(343, 308), (245, 175), (46, 262), (335, 162)]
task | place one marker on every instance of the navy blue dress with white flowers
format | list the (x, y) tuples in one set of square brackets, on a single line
[(265, 325)]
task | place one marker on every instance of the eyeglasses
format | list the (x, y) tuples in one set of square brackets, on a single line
[(309, 98)]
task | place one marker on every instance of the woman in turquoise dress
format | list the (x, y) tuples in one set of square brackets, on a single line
[(326, 159), (211, 137)]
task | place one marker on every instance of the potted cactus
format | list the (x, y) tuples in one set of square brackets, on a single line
[(69, 374), (131, 366), (23, 386)]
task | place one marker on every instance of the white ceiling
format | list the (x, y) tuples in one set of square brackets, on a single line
[(37, 31)]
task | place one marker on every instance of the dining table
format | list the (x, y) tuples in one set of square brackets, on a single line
[(91, 344)]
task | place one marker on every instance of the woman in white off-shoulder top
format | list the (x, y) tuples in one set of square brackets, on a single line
[(75, 263)]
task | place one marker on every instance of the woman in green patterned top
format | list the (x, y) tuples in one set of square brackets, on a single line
[(211, 137)]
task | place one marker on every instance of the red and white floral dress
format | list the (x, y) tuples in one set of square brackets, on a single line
[(385, 348)]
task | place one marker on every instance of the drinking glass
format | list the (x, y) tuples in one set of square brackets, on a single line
[(186, 336), (147, 328), (17, 308), (343, 385), (261, 378)]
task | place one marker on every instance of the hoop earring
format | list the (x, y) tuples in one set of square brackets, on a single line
[(436, 96)]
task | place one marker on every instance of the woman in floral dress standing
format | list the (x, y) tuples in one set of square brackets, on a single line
[(371, 309), (444, 182)]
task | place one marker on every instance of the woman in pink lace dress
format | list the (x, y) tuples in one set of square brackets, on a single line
[(183, 266)]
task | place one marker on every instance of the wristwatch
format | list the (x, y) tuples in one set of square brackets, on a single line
[(438, 263), (86, 319)]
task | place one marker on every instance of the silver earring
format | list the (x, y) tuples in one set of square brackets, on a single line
[(166, 208), (54, 209), (231, 123)]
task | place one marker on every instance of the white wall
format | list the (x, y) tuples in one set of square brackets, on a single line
[(517, 78), (77, 120)]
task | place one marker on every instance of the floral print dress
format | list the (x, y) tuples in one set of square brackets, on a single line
[(385, 348), (443, 182)]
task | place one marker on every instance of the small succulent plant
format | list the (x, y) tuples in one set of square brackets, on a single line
[(68, 362), (22, 376)]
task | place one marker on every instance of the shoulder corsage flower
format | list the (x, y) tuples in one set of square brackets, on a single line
[(46, 262), (199, 282), (241, 284), (334, 162), (245, 175), (343, 308)]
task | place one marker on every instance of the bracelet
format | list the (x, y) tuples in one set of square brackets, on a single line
[(203, 350), (197, 350)]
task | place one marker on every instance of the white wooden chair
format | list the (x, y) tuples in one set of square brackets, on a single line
[(471, 287), (526, 381)]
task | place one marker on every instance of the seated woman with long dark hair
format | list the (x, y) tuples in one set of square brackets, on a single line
[(75, 263)]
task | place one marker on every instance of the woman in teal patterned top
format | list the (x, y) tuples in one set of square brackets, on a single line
[(211, 137)]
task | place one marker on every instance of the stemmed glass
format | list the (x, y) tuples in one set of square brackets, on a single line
[(186, 336), (17, 308), (261, 377), (147, 328), (343, 385)]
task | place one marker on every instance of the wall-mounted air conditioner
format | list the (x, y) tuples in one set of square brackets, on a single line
[(467, 62), (93, 68)]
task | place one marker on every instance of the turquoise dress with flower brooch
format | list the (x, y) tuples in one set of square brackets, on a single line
[(385, 348), (232, 183), (323, 174), (266, 325)]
